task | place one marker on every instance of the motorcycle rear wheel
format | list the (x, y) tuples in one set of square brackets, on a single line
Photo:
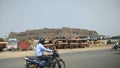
[(28, 65)]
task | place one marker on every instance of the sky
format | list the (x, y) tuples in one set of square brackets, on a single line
[(103, 16)]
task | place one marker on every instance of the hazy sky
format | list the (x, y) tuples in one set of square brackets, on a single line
[(102, 16)]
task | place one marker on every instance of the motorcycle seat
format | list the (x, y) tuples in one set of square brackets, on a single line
[(33, 57)]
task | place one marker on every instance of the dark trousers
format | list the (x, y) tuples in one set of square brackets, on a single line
[(43, 57)]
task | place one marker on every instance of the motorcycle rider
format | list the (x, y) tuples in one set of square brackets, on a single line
[(115, 45), (40, 49)]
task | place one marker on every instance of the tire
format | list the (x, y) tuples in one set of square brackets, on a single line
[(59, 64), (51, 65), (28, 65)]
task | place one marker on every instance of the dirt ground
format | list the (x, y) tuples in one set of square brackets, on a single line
[(13, 54)]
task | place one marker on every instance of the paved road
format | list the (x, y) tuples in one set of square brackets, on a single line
[(86, 59)]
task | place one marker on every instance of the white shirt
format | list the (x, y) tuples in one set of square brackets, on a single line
[(40, 49)]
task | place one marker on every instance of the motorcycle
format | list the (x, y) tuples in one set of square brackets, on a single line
[(115, 47), (54, 61)]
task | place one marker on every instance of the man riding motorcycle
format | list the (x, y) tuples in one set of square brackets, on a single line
[(40, 49), (116, 45), (40, 60)]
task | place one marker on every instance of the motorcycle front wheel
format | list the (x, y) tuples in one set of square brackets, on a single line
[(59, 64)]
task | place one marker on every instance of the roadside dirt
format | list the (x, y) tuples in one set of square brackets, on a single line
[(14, 54)]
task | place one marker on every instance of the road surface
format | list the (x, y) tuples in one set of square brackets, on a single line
[(103, 58)]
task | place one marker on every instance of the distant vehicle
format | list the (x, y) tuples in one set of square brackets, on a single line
[(115, 37), (75, 43), (24, 45), (61, 43), (116, 46), (49, 44), (2, 44), (12, 44)]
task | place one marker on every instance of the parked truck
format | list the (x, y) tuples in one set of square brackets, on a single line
[(61, 43), (12, 44), (49, 43), (24, 45), (73, 43), (2, 44)]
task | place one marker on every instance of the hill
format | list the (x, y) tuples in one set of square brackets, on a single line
[(51, 33)]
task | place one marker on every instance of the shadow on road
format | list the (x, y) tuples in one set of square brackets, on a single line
[(117, 53)]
